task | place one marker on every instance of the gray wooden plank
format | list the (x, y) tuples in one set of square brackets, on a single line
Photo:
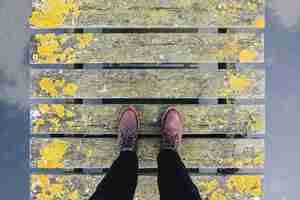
[(143, 13), (148, 83), (75, 187), (103, 119), (71, 48), (100, 153)]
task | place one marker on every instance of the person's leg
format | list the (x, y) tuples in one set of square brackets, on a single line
[(121, 180), (173, 179)]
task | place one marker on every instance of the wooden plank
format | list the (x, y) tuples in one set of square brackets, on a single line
[(73, 48), (150, 83), (143, 13), (61, 187), (100, 153), (103, 119)]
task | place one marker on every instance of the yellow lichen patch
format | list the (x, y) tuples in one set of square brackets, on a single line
[(70, 89), (89, 153), (46, 37), (238, 82), (59, 83), (245, 185), (70, 124), (47, 85), (50, 50), (48, 190), (69, 114), (44, 196), (40, 180), (34, 94), (52, 154), (73, 195), (38, 122), (84, 39), (247, 56), (70, 55), (56, 189), (44, 108), (258, 124), (219, 194), (59, 110), (211, 185), (259, 159), (78, 147), (45, 20), (47, 48), (260, 22), (52, 13), (55, 122), (35, 57), (55, 88)]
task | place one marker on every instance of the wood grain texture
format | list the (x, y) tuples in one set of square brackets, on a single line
[(100, 153), (154, 83), (104, 119), (71, 48), (81, 187), (143, 13)]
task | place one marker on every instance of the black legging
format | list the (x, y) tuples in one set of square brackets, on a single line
[(121, 180)]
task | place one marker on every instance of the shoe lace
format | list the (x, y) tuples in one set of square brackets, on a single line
[(170, 141), (128, 138)]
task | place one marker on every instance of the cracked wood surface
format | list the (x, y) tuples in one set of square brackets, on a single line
[(81, 187), (100, 153), (71, 48), (154, 83), (103, 119), (143, 13)]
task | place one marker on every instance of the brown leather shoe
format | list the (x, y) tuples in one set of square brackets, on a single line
[(128, 129), (171, 129)]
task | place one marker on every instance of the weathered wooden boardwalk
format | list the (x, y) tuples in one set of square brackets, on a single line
[(203, 56)]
